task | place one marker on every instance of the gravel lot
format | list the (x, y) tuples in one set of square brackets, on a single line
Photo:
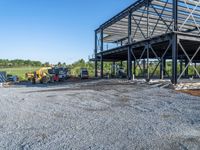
[(101, 114)]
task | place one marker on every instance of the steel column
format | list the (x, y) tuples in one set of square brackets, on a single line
[(174, 59), (95, 53), (148, 69), (134, 68), (101, 53), (195, 73), (162, 69), (181, 65), (174, 42), (113, 69), (129, 48), (187, 70), (144, 67)]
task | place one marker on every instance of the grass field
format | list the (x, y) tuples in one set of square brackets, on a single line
[(20, 71)]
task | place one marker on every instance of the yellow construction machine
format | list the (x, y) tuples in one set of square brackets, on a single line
[(41, 75)]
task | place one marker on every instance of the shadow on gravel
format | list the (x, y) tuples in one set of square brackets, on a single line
[(55, 84), (95, 87)]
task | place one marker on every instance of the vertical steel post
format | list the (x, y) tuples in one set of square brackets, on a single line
[(129, 47), (113, 69), (187, 70), (134, 69), (101, 53), (162, 69), (195, 73), (121, 64), (95, 53), (181, 65), (144, 67), (174, 42), (148, 70)]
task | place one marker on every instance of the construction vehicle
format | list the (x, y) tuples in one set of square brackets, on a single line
[(61, 73), (41, 75), (29, 76), (12, 78), (120, 73), (84, 73), (54, 76)]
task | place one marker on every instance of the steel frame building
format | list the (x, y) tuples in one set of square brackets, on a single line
[(149, 30)]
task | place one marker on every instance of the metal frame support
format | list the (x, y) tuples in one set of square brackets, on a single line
[(162, 69), (129, 48), (181, 65), (148, 69), (186, 70), (174, 59), (121, 63), (195, 73), (101, 53), (174, 42), (129, 64), (113, 73), (144, 67), (189, 59), (95, 53), (134, 68)]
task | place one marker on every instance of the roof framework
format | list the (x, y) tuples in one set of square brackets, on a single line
[(152, 29), (151, 18)]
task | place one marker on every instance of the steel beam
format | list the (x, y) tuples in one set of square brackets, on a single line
[(174, 59), (162, 69), (138, 4), (174, 42), (113, 69), (181, 65), (95, 53), (186, 70), (148, 69), (144, 67), (129, 67), (134, 68), (101, 53), (195, 73)]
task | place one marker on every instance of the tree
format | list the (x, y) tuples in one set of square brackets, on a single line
[(59, 64), (46, 64)]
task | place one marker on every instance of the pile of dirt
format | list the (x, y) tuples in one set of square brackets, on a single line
[(191, 92)]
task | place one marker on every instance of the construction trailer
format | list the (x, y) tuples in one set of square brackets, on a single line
[(162, 30)]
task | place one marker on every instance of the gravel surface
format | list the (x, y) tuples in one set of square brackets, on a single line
[(102, 114)]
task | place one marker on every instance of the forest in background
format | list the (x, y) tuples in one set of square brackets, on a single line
[(19, 67)]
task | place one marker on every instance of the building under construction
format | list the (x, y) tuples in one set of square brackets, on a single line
[(159, 31)]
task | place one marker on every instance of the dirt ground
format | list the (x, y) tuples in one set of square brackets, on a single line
[(191, 92), (98, 114)]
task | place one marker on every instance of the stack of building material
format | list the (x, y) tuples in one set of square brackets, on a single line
[(2, 77), (188, 86)]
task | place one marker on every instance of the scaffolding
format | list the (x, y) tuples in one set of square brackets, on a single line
[(161, 30)]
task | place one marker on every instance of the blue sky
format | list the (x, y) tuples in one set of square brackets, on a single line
[(53, 30)]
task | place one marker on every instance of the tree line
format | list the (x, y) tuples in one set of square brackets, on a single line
[(76, 66), (5, 63)]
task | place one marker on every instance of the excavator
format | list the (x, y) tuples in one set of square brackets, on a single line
[(41, 75)]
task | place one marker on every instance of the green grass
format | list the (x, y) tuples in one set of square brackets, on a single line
[(19, 71)]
